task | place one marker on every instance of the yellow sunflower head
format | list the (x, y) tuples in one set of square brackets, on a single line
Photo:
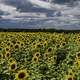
[(49, 49), (46, 55), (45, 43), (37, 54), (70, 72), (1, 48), (17, 46), (7, 49), (13, 66), (22, 44), (7, 55), (21, 75), (11, 45), (68, 77), (78, 55), (1, 56), (18, 42), (62, 44), (11, 60), (77, 64), (57, 45), (38, 45), (35, 59), (34, 45), (8, 43)]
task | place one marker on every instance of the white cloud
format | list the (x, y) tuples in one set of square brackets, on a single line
[(7, 8), (41, 4), (64, 9), (47, 5), (73, 11), (13, 13)]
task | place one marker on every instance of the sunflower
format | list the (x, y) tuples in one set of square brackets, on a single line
[(1, 56), (68, 77), (9, 42), (77, 64), (60, 38), (78, 55), (18, 42), (70, 72), (11, 45), (46, 55), (13, 66), (45, 43), (78, 39), (7, 55), (57, 45), (22, 44), (37, 54), (38, 45), (49, 49), (11, 60), (40, 39), (63, 44), (23, 38), (21, 75), (7, 49), (17, 46), (34, 45), (35, 59), (14, 41), (1, 48)]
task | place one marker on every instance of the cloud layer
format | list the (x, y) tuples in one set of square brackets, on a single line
[(14, 6), (40, 13)]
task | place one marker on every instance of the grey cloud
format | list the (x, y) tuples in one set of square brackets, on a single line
[(25, 5), (22, 5), (4, 13)]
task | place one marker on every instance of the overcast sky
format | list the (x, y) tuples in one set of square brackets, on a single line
[(62, 9), (15, 6)]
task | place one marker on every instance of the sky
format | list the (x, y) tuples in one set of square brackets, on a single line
[(58, 14), (15, 6)]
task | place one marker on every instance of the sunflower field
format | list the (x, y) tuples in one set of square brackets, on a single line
[(39, 56)]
